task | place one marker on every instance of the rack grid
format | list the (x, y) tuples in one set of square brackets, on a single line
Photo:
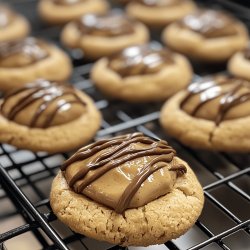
[(25, 177)]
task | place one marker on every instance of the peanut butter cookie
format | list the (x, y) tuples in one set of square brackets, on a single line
[(13, 26), (142, 73), (159, 12), (207, 35), (46, 116), (63, 11), (31, 58), (127, 190), (103, 35), (212, 114)]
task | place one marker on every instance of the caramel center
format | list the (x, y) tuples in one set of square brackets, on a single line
[(218, 99), (210, 23), (124, 172), (140, 60), (105, 25), (68, 2), (43, 104), (160, 3), (22, 53)]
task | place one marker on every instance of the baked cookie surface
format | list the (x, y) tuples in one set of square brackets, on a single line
[(239, 64), (103, 35), (212, 114), (47, 116), (13, 26), (142, 73), (127, 190), (207, 35), (63, 11), (31, 58), (159, 12)]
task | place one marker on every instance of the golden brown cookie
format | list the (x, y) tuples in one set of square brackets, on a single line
[(31, 58), (63, 11), (103, 35), (211, 114), (46, 116), (127, 190), (207, 35), (159, 12), (142, 73), (239, 64), (13, 26)]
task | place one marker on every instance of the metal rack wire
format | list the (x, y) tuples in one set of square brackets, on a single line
[(25, 177)]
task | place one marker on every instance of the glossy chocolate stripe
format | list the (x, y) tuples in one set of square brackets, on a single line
[(44, 91), (86, 152), (128, 156), (120, 152), (45, 105), (210, 23), (212, 89), (132, 188), (30, 47), (140, 60)]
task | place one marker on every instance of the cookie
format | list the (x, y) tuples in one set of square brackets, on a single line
[(103, 35), (207, 35), (127, 190), (31, 58), (211, 114), (46, 116), (13, 26), (159, 12), (64, 11), (239, 64), (142, 73)]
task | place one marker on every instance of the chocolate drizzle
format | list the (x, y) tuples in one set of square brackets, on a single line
[(139, 60), (44, 93), (30, 49), (119, 151), (229, 91), (68, 2), (111, 24), (210, 23)]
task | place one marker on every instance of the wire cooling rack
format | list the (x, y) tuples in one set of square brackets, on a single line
[(26, 219)]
